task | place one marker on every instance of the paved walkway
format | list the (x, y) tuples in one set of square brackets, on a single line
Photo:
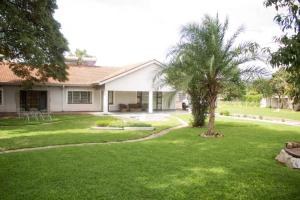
[(149, 137)]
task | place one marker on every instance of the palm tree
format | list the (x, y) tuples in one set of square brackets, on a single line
[(80, 54), (205, 53)]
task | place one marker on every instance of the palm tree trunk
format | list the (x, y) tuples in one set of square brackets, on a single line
[(211, 120)]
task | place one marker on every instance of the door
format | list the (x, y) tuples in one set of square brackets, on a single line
[(33, 100)]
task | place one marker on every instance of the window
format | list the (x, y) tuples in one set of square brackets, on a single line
[(79, 97), (1, 96), (139, 98), (110, 97), (157, 100)]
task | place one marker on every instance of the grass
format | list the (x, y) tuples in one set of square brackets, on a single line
[(180, 165), (109, 121), (239, 108), (65, 129)]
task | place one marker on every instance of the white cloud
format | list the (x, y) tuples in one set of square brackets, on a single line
[(120, 32)]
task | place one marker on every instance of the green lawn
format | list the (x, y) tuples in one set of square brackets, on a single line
[(179, 165), (65, 129), (239, 108)]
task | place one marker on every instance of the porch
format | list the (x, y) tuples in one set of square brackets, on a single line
[(137, 101)]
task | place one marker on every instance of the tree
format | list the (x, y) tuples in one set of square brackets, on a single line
[(199, 102), (30, 40), (212, 58), (288, 54), (177, 74), (234, 90), (263, 86), (282, 86), (80, 54), (279, 85)]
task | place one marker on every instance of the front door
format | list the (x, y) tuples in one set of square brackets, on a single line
[(33, 100)]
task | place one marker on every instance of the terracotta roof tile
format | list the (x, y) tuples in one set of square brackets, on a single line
[(78, 75)]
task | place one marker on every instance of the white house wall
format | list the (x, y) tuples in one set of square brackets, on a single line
[(9, 98), (56, 98), (139, 80)]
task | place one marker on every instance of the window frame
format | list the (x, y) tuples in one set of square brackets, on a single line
[(79, 103), (112, 96)]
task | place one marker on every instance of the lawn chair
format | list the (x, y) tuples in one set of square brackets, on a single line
[(23, 114), (34, 113), (45, 114)]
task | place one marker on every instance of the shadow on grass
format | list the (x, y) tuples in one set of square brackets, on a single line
[(180, 165)]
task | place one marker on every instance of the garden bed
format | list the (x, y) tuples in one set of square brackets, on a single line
[(114, 123)]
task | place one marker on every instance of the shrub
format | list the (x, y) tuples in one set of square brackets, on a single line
[(109, 121), (253, 98), (136, 124), (225, 113)]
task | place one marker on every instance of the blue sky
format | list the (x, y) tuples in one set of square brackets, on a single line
[(120, 32)]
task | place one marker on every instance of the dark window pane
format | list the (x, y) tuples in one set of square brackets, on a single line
[(70, 99), (1, 95), (110, 97), (79, 97)]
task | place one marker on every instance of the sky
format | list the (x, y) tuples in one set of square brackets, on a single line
[(120, 32)]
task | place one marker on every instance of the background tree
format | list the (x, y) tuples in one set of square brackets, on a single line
[(279, 85), (213, 59), (234, 90), (288, 54), (30, 40), (263, 86), (80, 54)]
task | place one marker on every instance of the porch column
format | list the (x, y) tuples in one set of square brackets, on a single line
[(150, 102), (105, 101)]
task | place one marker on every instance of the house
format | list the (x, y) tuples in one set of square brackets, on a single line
[(275, 102), (90, 88), (73, 60), (283, 103)]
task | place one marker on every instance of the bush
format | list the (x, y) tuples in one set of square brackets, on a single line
[(109, 121), (225, 113), (253, 98), (136, 124)]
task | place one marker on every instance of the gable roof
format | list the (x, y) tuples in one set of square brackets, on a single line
[(127, 70), (77, 75)]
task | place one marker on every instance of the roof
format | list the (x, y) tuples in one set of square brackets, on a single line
[(78, 75)]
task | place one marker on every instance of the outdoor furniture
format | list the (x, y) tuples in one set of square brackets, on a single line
[(45, 114), (23, 114), (135, 107), (123, 107), (34, 113)]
